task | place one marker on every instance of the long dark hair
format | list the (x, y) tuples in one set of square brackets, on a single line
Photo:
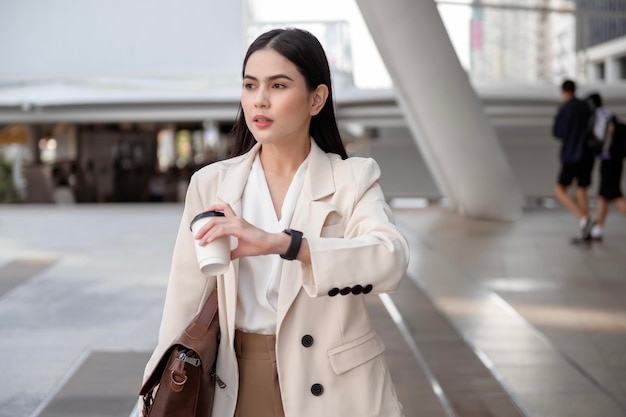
[(307, 54)]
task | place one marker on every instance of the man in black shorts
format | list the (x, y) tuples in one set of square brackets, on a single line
[(611, 150), (570, 127)]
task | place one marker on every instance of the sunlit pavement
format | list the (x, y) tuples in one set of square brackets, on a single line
[(500, 319)]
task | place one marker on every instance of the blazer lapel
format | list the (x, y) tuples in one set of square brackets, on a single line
[(234, 176), (308, 217)]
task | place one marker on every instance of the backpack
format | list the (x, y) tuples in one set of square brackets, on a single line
[(600, 128), (614, 145)]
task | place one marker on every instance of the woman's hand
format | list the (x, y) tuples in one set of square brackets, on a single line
[(252, 240)]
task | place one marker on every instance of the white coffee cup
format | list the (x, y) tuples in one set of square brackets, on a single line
[(214, 257)]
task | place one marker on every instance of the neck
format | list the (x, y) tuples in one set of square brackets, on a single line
[(283, 160)]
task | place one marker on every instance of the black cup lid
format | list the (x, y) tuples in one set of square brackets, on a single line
[(206, 214)]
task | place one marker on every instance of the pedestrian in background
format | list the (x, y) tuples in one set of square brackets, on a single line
[(607, 138), (62, 192), (570, 127), (315, 235)]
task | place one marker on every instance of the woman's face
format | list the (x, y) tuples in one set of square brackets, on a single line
[(276, 102)]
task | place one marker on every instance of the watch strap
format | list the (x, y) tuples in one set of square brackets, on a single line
[(294, 245)]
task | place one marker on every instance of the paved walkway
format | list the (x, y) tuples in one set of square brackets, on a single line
[(494, 319)]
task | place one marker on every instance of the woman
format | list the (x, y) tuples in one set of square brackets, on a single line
[(314, 236)]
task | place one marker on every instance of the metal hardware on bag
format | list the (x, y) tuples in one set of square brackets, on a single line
[(147, 403), (191, 361), (219, 381), (176, 382)]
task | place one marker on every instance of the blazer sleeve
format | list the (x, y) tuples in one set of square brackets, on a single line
[(187, 285), (372, 253)]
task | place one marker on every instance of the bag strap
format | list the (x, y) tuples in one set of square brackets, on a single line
[(199, 326), (208, 310)]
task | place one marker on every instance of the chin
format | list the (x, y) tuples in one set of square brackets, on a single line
[(262, 138)]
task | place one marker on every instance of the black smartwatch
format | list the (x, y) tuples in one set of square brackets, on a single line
[(294, 245)]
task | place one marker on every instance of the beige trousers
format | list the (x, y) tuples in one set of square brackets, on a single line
[(259, 391)]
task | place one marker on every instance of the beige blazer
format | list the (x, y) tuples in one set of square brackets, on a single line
[(330, 361)]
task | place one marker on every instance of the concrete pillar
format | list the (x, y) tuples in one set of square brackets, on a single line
[(442, 110), (612, 70), (593, 73)]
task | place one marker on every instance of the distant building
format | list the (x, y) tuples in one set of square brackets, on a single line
[(562, 41), (601, 41), (509, 43), (548, 40), (604, 21)]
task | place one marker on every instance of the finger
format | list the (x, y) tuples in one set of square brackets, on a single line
[(209, 225), (228, 210), (216, 228), (223, 207), (234, 254)]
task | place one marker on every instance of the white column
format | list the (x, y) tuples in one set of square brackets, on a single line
[(611, 70), (442, 110), (593, 73)]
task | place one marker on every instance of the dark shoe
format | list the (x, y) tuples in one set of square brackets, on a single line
[(579, 240)]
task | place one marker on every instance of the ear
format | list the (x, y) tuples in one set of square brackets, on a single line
[(318, 99)]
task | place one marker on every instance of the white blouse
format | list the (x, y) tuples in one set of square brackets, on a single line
[(259, 276)]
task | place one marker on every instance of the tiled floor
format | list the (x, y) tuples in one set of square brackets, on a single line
[(508, 319), (549, 316)]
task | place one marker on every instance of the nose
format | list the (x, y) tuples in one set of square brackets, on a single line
[(261, 99)]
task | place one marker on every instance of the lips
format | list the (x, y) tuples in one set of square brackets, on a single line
[(262, 121)]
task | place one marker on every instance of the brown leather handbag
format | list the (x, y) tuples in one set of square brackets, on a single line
[(184, 379)]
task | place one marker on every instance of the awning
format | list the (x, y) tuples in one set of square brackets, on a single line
[(16, 133)]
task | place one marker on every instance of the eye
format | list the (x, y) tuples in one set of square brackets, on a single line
[(248, 86), (279, 86)]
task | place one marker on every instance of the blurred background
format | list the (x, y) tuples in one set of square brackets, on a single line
[(122, 101)]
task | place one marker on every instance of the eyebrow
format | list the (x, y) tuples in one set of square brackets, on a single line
[(270, 78)]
